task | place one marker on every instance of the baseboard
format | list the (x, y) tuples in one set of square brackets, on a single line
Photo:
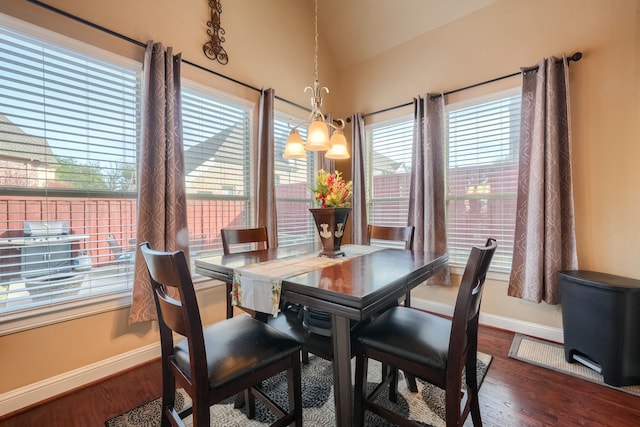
[(506, 323), (42, 390)]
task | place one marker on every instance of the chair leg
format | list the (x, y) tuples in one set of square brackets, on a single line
[(472, 389), (168, 395), (452, 405), (250, 404), (411, 382), (201, 416), (360, 390), (294, 382), (393, 385), (239, 402), (305, 357)]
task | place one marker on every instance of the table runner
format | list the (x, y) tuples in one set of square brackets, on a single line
[(258, 286)]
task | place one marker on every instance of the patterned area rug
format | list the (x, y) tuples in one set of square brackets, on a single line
[(551, 356), (426, 406)]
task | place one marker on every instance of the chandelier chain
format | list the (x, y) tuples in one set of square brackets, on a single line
[(315, 62)]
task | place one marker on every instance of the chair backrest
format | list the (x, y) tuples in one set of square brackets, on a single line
[(236, 236), (170, 270), (464, 328), (399, 234)]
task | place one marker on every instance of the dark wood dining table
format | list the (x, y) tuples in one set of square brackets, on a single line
[(355, 289)]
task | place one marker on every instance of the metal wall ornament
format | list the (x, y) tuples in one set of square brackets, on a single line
[(213, 48)]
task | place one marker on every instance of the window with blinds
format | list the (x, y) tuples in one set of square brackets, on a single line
[(388, 172), (293, 178), (68, 133), (218, 145), (69, 129), (482, 176), (482, 163)]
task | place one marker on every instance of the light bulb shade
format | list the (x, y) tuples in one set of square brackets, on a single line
[(294, 148), (318, 136), (338, 148)]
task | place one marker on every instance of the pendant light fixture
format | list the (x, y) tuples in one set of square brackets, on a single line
[(319, 130)]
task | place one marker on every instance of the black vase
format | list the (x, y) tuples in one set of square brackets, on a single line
[(331, 223)]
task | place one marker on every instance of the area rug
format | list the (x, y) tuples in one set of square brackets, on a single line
[(551, 356), (426, 406)]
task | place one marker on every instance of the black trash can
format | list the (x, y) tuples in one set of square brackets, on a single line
[(601, 321)]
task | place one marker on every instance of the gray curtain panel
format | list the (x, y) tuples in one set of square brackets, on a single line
[(359, 220), (265, 180), (427, 188), (544, 240), (162, 206)]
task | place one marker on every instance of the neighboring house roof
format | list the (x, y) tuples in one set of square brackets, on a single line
[(17, 145), (197, 155), (385, 165)]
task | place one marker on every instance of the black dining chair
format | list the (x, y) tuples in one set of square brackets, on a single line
[(401, 234), (236, 240), (257, 238), (429, 347), (213, 363)]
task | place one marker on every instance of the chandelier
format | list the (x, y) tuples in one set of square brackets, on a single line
[(319, 130)]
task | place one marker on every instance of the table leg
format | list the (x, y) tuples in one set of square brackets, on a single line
[(342, 388), (229, 306)]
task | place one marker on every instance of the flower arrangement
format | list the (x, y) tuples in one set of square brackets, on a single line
[(331, 190)]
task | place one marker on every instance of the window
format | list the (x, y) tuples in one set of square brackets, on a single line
[(293, 194), (389, 172), (218, 145), (482, 164), (482, 177), (68, 133)]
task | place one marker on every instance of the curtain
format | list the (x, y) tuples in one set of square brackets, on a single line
[(359, 220), (427, 188), (265, 182), (162, 207), (544, 240)]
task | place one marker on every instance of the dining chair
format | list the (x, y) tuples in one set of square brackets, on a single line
[(388, 233), (427, 346), (244, 236), (221, 360), (396, 234)]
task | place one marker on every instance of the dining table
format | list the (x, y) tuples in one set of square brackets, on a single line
[(352, 288)]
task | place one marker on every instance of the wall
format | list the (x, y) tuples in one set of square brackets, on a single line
[(605, 114)]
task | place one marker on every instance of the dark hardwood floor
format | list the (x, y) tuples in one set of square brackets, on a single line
[(513, 394)]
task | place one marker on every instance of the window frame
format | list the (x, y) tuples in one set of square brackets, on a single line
[(311, 234), (458, 268), (406, 119)]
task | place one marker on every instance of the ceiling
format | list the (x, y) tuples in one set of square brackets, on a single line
[(355, 30)]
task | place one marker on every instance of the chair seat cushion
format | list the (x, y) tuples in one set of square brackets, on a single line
[(236, 347), (409, 334)]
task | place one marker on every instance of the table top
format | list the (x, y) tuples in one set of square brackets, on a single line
[(354, 288)]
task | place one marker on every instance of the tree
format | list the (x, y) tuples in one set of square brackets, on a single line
[(84, 177)]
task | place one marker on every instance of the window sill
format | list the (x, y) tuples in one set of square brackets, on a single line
[(39, 317)]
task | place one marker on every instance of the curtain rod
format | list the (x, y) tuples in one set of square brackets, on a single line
[(575, 57), (139, 43)]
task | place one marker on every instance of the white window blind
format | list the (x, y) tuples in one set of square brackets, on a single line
[(294, 179), (389, 172), (482, 177), (218, 145), (68, 133)]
